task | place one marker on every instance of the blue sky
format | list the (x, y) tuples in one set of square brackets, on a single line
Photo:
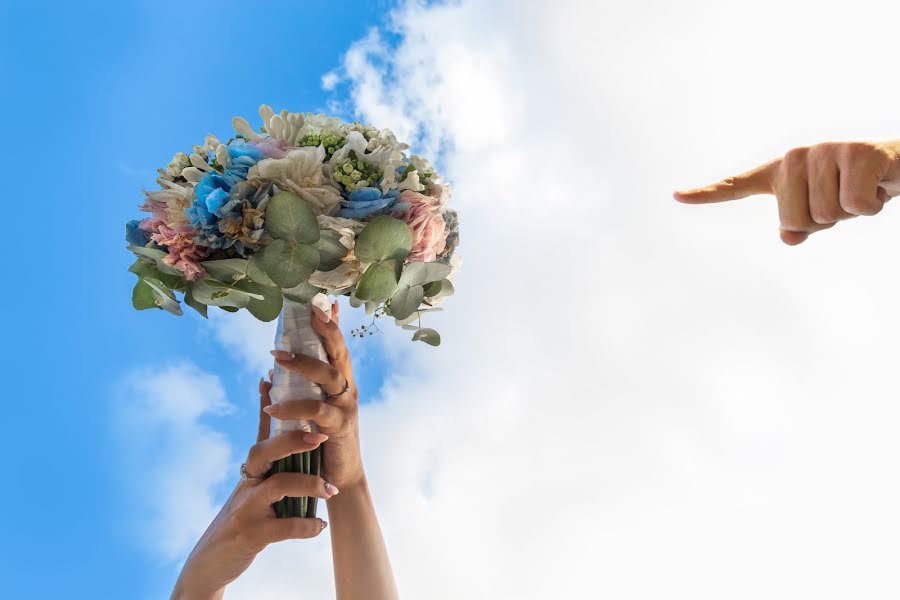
[(96, 96)]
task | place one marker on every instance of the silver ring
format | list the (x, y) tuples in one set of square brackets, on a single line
[(245, 475), (341, 393)]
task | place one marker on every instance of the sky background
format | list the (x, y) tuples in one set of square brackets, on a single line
[(633, 399)]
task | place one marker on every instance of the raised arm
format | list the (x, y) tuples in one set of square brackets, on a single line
[(816, 186), (362, 570)]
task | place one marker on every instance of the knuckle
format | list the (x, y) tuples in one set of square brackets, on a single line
[(795, 157), (857, 204), (825, 214)]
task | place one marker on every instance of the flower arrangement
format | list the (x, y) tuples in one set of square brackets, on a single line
[(274, 220), (307, 205)]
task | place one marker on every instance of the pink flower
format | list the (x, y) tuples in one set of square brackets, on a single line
[(271, 147), (429, 232), (183, 255)]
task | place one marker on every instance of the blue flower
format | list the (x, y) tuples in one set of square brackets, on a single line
[(135, 235), (367, 202), (211, 195)]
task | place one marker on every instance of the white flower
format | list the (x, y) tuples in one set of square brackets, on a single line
[(175, 197), (300, 172), (386, 159), (345, 275), (178, 163), (284, 127)]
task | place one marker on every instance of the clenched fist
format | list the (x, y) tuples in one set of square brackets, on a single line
[(816, 186)]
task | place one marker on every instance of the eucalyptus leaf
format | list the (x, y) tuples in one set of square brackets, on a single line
[(378, 282), (229, 269), (354, 301), (157, 256), (331, 251), (420, 273), (256, 272), (268, 306), (143, 269), (429, 336), (416, 315), (383, 238), (438, 289), (230, 309), (142, 296), (163, 296), (371, 307), (288, 263), (406, 301), (302, 293), (193, 303), (217, 293), (291, 219)]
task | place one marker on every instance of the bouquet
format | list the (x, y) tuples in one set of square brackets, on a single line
[(276, 219)]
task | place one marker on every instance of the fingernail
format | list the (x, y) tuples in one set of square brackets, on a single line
[(270, 409), (330, 489), (324, 524), (314, 438), (321, 314), (281, 354)]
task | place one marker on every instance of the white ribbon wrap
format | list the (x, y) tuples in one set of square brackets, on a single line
[(295, 334)]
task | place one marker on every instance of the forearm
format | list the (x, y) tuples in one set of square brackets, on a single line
[(182, 592), (362, 569)]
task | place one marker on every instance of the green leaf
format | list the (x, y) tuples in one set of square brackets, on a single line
[(193, 303), (438, 289), (378, 282), (354, 301), (229, 269), (269, 307), (143, 269), (230, 309), (163, 296), (142, 296), (291, 219), (256, 272), (420, 273), (302, 293), (429, 336), (288, 263), (216, 293), (416, 315), (371, 307), (406, 300), (383, 238), (331, 251), (157, 256)]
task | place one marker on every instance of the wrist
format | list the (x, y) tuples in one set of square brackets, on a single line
[(350, 488)]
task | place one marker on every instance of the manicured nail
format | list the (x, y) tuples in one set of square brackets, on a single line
[(314, 438), (271, 409), (330, 489), (324, 524), (321, 314), (281, 354)]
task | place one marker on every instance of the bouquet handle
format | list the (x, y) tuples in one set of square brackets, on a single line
[(295, 334)]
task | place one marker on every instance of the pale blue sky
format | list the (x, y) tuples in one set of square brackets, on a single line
[(97, 95)]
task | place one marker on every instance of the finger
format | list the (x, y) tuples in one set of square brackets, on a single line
[(792, 238), (327, 376), (756, 181), (859, 189), (334, 342), (336, 312), (293, 528), (323, 414), (294, 485), (264, 400), (266, 452), (792, 190), (824, 185)]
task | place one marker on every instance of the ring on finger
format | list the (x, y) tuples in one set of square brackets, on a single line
[(246, 476), (341, 393)]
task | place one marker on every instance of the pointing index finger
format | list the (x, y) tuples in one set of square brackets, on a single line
[(756, 181)]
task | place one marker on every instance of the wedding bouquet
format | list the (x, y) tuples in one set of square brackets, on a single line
[(273, 220)]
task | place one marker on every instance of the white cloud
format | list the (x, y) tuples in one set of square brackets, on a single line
[(636, 399), (182, 462), (247, 338)]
